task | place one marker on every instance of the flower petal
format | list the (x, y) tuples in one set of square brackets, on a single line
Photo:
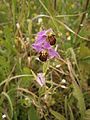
[(52, 53), (46, 45), (41, 46), (40, 79), (37, 47), (40, 39), (41, 33), (41, 36)]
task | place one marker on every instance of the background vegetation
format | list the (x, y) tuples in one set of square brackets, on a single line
[(66, 95)]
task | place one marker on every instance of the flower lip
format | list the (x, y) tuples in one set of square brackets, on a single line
[(43, 55), (48, 54), (51, 39)]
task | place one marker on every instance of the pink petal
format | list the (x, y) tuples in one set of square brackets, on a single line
[(40, 79), (52, 53)]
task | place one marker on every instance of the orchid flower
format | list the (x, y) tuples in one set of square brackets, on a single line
[(42, 45)]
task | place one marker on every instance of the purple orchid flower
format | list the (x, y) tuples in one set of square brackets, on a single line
[(40, 79), (42, 37), (43, 47), (46, 47)]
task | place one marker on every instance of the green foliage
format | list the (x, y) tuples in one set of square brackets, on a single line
[(32, 114), (57, 115), (79, 96), (87, 114), (66, 93), (10, 104)]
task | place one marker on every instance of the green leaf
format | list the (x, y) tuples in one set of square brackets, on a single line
[(71, 113), (45, 67), (84, 51), (4, 68), (32, 114), (13, 10), (10, 103), (34, 74), (79, 96), (66, 106), (86, 59), (14, 115), (30, 27), (26, 81), (1, 112), (57, 115), (87, 115)]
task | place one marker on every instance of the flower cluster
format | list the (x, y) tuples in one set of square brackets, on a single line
[(43, 45)]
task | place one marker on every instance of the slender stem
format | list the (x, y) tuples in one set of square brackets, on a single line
[(61, 72), (49, 15), (14, 77), (83, 17), (69, 29), (6, 84), (58, 16), (63, 24), (55, 4), (27, 91)]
